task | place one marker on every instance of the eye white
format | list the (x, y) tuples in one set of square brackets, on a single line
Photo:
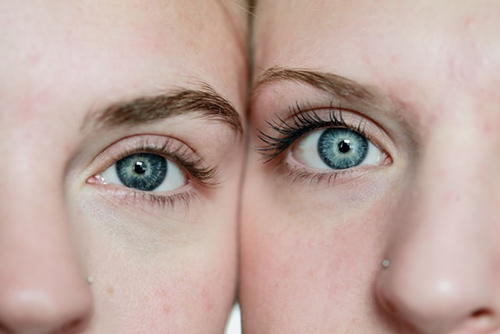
[(306, 152)]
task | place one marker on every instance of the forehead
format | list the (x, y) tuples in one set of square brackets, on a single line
[(120, 46), (425, 46)]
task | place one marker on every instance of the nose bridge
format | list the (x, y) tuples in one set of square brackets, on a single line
[(441, 272), (42, 285)]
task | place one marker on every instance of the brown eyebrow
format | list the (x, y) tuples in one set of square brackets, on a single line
[(204, 102), (328, 82)]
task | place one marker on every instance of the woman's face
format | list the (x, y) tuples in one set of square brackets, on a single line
[(380, 141), (120, 137)]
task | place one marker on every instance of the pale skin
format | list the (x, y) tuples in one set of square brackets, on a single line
[(312, 244), (162, 263)]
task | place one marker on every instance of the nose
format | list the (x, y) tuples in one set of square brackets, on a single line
[(42, 288), (441, 272)]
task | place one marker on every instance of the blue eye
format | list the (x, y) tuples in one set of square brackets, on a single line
[(142, 171), (146, 172), (337, 149), (342, 148)]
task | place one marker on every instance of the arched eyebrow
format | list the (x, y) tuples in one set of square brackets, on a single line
[(327, 82), (205, 103)]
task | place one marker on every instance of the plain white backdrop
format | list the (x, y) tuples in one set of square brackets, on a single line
[(234, 322)]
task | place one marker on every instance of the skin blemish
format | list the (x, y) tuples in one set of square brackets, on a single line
[(67, 148), (468, 22), (165, 298), (205, 295), (486, 128), (449, 198), (33, 57), (166, 309), (110, 290)]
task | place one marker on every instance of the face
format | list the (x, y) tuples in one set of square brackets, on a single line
[(121, 136), (379, 141)]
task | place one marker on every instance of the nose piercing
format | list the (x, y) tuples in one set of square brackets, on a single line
[(386, 263), (90, 279)]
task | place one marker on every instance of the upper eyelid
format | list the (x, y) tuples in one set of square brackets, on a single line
[(127, 145), (398, 118)]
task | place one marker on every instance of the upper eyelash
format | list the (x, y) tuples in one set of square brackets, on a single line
[(196, 167), (301, 122)]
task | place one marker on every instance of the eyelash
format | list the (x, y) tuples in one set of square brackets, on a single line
[(300, 124), (193, 166)]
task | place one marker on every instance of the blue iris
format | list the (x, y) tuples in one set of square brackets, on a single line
[(341, 148), (142, 171)]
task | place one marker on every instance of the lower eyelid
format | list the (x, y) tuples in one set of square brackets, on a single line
[(145, 201), (311, 177)]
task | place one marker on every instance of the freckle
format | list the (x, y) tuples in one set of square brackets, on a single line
[(110, 290)]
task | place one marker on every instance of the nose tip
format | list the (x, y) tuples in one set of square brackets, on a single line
[(44, 311), (430, 304)]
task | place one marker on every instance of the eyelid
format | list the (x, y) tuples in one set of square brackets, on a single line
[(172, 149), (299, 122)]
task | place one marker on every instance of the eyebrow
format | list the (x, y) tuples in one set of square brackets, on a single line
[(327, 82), (205, 103)]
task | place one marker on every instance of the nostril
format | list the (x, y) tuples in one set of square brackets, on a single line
[(480, 313), (72, 327), (482, 320)]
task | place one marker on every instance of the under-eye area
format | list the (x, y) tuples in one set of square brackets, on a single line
[(323, 143), (154, 169)]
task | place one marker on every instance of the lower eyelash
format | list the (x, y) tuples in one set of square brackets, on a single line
[(300, 124), (301, 175), (164, 201), (130, 196)]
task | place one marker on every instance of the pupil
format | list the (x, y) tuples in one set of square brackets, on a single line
[(139, 167), (344, 146)]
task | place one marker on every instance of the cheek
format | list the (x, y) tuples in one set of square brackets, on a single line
[(313, 244), (306, 260), (136, 295), (178, 280), (157, 302)]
